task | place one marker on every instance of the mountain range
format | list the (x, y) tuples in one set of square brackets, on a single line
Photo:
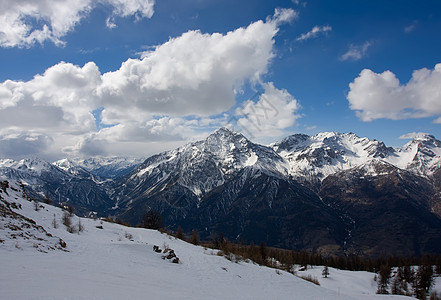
[(334, 193)]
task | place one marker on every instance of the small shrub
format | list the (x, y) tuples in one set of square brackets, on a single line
[(180, 233), (67, 219), (310, 278), (80, 226), (194, 239), (36, 206), (151, 220), (47, 200), (54, 222)]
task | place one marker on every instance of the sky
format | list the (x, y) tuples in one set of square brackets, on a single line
[(83, 78)]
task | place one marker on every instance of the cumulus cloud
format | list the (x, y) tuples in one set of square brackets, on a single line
[(274, 111), (26, 22), (374, 96), (163, 97), (315, 31), (356, 52), (193, 74), (412, 135), (61, 99)]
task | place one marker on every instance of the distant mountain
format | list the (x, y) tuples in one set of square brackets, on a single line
[(42, 179), (313, 158), (228, 184), (299, 193), (104, 167), (332, 192)]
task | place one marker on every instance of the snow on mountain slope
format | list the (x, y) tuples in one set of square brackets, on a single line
[(315, 157), (33, 166), (75, 186), (326, 153), (108, 167), (421, 155), (204, 165), (118, 262), (32, 172), (20, 232), (74, 169)]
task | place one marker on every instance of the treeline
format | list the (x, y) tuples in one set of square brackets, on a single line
[(259, 253)]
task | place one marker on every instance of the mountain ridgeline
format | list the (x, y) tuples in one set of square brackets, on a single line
[(331, 193)]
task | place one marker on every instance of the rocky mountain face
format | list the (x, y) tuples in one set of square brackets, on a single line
[(41, 180), (388, 210), (332, 192), (227, 184)]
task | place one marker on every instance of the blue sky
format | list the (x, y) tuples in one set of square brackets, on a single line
[(135, 77)]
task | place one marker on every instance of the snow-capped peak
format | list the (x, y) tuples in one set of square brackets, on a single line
[(35, 165), (315, 157), (65, 164), (204, 165), (421, 155)]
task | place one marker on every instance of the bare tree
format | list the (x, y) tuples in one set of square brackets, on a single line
[(54, 222), (151, 220)]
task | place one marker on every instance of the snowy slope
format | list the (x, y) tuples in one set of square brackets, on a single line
[(345, 282), (315, 157), (422, 155), (107, 167), (117, 262), (65, 183), (206, 164)]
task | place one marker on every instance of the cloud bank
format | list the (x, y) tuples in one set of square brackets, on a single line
[(382, 96), (26, 22), (163, 97)]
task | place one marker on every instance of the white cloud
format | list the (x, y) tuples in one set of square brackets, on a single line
[(282, 15), (26, 22), (194, 74), (315, 31), (175, 92), (411, 27), (61, 99), (356, 52), (374, 96), (274, 111), (412, 135)]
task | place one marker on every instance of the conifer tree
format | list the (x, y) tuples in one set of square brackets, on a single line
[(383, 280), (325, 272)]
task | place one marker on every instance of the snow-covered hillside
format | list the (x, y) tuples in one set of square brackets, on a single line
[(110, 261)]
